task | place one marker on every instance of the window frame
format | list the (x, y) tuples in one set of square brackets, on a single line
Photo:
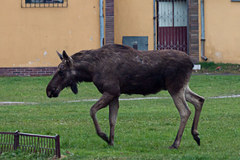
[(44, 3)]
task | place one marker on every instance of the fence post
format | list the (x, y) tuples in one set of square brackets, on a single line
[(16, 140), (57, 145)]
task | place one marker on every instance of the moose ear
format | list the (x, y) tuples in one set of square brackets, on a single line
[(74, 88), (65, 56), (60, 55), (68, 59)]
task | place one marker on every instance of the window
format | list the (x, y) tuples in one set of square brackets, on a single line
[(235, 0), (136, 42), (172, 13), (44, 3)]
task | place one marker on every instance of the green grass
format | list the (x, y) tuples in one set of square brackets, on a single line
[(226, 68), (144, 128)]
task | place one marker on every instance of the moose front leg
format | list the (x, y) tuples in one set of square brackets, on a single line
[(113, 110), (101, 103)]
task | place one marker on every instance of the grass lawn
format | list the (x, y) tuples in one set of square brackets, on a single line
[(144, 129), (224, 68)]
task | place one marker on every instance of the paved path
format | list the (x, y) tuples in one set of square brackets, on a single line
[(121, 99)]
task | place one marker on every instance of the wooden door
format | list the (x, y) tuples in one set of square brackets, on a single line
[(172, 24)]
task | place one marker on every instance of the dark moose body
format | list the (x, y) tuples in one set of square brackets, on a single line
[(117, 69)]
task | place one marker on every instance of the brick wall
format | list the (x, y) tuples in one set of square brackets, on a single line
[(193, 30), (109, 26), (27, 71)]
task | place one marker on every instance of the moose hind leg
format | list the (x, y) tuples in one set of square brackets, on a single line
[(197, 101), (181, 104)]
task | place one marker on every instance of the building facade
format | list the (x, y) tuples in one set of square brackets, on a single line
[(32, 30), (222, 36)]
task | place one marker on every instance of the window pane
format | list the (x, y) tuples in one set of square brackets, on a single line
[(180, 13), (165, 14)]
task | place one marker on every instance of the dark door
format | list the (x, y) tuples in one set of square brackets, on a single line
[(172, 24)]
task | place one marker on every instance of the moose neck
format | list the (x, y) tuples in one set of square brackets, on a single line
[(83, 71)]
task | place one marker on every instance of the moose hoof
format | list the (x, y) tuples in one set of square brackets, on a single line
[(195, 135), (103, 136), (110, 143), (197, 139), (173, 147)]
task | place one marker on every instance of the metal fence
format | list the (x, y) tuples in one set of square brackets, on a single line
[(48, 145), (44, 3)]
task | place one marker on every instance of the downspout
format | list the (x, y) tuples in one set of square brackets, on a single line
[(203, 32), (101, 23), (154, 23)]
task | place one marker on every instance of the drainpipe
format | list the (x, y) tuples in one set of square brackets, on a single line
[(154, 23), (203, 32), (101, 23)]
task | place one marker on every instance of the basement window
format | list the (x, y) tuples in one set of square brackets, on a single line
[(44, 3)]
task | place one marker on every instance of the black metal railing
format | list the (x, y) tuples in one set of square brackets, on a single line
[(44, 3), (48, 145)]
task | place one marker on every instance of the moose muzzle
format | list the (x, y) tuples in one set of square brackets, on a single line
[(52, 92)]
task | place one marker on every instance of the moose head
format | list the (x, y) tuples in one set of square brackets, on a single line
[(64, 77)]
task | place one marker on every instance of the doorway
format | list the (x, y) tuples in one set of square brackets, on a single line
[(172, 25)]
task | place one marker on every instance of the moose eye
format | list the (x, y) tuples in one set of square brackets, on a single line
[(61, 73)]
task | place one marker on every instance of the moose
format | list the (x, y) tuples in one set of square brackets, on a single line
[(118, 69)]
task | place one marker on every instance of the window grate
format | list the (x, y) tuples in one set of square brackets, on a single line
[(44, 3)]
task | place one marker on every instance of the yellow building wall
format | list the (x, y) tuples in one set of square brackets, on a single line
[(222, 26), (133, 18), (29, 37)]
